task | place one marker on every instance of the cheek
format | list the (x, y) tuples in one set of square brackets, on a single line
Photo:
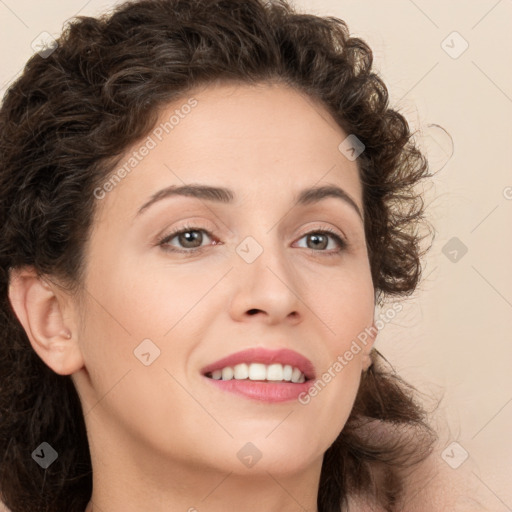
[(122, 391), (344, 304), (155, 299), (346, 310), (330, 400), (129, 314)]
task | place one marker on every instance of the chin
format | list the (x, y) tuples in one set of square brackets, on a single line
[(274, 454)]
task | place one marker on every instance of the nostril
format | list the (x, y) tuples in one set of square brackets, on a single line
[(253, 311)]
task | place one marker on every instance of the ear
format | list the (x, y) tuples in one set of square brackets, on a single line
[(368, 345), (42, 309)]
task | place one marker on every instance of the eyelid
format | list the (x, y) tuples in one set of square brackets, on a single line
[(323, 227)]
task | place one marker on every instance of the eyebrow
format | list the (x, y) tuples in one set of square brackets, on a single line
[(226, 195)]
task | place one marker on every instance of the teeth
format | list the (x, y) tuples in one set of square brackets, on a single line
[(241, 371), (257, 371), (227, 373), (297, 375), (275, 372)]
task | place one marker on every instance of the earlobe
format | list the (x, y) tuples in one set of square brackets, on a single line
[(372, 335), (40, 307)]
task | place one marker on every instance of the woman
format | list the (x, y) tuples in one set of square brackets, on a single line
[(203, 202)]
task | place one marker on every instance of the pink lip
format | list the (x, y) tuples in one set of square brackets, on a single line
[(263, 391), (261, 355)]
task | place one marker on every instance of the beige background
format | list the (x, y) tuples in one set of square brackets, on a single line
[(454, 335)]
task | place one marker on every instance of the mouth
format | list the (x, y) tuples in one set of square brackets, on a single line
[(261, 374)]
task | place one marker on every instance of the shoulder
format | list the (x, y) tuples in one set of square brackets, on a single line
[(434, 486), (431, 485)]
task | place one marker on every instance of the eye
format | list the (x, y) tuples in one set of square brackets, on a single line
[(320, 241), (190, 238)]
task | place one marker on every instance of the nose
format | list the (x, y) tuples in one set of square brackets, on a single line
[(267, 289)]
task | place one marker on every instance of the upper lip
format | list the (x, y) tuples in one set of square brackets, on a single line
[(283, 356)]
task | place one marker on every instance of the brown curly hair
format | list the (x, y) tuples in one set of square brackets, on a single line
[(64, 125)]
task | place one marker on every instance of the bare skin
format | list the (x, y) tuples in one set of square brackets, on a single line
[(434, 486), (161, 436)]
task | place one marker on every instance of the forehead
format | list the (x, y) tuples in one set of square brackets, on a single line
[(274, 118), (254, 139)]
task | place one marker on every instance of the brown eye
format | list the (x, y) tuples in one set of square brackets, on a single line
[(188, 239), (318, 241)]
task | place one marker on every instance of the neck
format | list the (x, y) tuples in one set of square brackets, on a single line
[(214, 493), (141, 481)]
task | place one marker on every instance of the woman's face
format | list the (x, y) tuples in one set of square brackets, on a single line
[(251, 272)]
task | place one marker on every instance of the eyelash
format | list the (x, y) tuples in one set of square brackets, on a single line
[(163, 240)]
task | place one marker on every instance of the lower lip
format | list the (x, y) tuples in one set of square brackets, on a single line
[(263, 391)]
